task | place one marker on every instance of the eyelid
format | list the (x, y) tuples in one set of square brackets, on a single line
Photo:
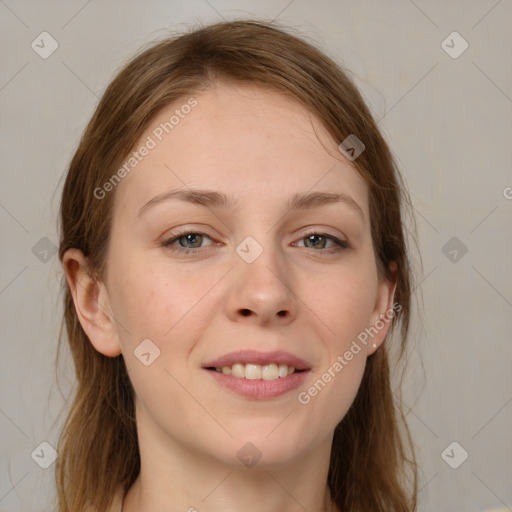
[(169, 241), (339, 243)]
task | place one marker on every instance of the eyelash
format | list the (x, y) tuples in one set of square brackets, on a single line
[(341, 245)]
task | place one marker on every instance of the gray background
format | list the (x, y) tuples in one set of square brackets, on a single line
[(448, 121)]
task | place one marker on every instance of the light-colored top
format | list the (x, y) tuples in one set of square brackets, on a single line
[(117, 504)]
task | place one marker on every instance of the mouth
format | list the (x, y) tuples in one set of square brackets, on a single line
[(252, 386), (255, 365), (250, 371), (259, 375)]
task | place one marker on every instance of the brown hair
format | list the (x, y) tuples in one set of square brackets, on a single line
[(98, 449)]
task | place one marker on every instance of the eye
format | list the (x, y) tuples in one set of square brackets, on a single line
[(319, 241), (192, 241), (186, 241)]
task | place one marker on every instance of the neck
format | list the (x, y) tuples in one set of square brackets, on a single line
[(274, 498), (182, 475)]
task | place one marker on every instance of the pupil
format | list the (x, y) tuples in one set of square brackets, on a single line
[(311, 238), (192, 239)]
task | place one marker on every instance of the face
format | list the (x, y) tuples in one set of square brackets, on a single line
[(267, 268)]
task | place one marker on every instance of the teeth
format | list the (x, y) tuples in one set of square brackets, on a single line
[(251, 371)]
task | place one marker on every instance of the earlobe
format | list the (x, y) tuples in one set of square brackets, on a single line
[(91, 304), (384, 311)]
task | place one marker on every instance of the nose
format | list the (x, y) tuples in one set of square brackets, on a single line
[(262, 292)]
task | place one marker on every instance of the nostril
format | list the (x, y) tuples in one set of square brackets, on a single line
[(245, 312), (282, 313)]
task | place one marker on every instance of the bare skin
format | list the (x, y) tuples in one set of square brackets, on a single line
[(308, 296)]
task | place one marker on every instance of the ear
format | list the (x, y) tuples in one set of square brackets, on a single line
[(91, 303), (384, 311)]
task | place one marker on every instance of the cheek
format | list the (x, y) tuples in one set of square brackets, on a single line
[(345, 303), (153, 298), (328, 398), (348, 307)]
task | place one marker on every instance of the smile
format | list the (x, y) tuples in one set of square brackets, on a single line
[(270, 371)]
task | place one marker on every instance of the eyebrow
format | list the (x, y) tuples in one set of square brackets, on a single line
[(212, 199)]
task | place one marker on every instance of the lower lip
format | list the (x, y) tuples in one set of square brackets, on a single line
[(259, 389)]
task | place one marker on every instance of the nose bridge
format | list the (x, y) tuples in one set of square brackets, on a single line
[(263, 282)]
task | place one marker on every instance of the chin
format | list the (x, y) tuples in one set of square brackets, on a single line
[(253, 449)]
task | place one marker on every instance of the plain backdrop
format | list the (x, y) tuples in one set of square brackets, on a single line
[(445, 109)]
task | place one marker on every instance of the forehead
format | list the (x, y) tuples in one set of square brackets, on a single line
[(244, 140)]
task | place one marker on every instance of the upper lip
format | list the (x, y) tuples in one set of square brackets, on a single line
[(257, 357)]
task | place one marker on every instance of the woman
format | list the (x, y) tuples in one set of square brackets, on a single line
[(235, 260)]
